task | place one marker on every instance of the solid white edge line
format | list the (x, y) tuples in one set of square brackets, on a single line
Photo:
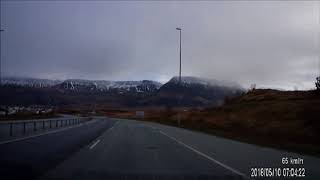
[(94, 144), (206, 156), (41, 134)]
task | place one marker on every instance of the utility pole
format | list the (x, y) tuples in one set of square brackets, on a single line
[(179, 97), (319, 37)]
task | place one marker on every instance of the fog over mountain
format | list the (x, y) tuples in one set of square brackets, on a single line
[(274, 44), (191, 92)]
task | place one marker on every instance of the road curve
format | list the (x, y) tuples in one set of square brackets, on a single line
[(128, 149)]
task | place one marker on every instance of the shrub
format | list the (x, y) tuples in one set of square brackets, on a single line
[(318, 83)]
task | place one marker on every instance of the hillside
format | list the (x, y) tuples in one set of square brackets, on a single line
[(281, 119), (288, 118)]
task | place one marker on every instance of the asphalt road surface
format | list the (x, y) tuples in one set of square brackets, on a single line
[(128, 149), (30, 158)]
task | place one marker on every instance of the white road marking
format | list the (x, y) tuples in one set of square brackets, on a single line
[(206, 156), (48, 132), (94, 144), (97, 140)]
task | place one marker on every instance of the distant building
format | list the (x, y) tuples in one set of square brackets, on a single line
[(140, 114)]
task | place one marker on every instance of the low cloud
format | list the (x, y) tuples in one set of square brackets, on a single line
[(272, 43)]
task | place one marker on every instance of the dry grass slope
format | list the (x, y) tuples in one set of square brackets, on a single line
[(281, 119)]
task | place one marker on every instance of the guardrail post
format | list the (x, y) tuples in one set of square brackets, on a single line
[(43, 125), (34, 126), (11, 129), (24, 127), (50, 126), (56, 123)]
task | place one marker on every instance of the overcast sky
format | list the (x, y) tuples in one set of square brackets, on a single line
[(272, 43)]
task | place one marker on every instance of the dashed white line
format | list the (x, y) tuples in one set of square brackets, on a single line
[(97, 141), (206, 156), (94, 144)]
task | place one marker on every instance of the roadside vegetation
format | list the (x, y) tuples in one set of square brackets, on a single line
[(281, 119)]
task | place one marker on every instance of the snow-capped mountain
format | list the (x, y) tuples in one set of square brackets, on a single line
[(85, 85), (101, 85), (192, 92), (29, 82)]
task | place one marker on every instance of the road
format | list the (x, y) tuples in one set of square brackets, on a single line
[(128, 149), (29, 158)]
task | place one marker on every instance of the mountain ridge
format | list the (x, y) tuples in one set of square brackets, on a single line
[(192, 92), (71, 84)]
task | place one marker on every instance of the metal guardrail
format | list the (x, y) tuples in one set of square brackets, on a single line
[(16, 128)]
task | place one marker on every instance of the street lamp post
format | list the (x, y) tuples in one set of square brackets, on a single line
[(179, 97), (179, 29), (1, 30)]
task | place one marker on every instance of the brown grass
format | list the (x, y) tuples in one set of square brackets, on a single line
[(282, 119)]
